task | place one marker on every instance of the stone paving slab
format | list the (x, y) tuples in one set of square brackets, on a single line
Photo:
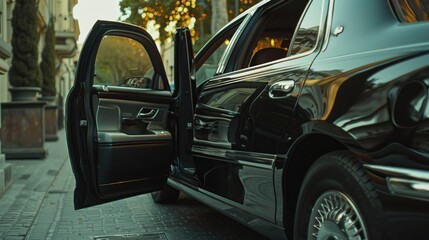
[(20, 205), (188, 219), (39, 205)]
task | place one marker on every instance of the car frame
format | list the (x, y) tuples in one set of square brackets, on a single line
[(328, 141)]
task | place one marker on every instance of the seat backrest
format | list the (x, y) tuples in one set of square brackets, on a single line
[(267, 55)]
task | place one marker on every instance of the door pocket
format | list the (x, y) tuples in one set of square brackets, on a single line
[(124, 158)]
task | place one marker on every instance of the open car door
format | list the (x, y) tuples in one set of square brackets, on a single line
[(120, 115)]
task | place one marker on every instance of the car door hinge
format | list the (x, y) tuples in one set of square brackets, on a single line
[(83, 123)]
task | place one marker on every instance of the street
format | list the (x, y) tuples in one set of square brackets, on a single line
[(39, 205)]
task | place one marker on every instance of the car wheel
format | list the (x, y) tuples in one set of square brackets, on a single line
[(166, 195), (337, 201)]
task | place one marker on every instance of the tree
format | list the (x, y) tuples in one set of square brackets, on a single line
[(119, 58), (47, 66), (24, 69), (195, 14), (165, 14), (219, 15)]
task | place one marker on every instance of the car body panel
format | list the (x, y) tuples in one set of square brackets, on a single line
[(346, 102)]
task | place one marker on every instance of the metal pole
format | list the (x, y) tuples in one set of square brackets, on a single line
[(237, 7)]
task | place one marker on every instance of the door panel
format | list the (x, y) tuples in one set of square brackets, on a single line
[(118, 116), (122, 115), (129, 146)]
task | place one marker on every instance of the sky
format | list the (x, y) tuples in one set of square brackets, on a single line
[(87, 12)]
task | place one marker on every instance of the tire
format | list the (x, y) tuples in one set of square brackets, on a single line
[(335, 193), (166, 195)]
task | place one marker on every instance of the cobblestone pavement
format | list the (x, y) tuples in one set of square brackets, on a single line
[(39, 205)]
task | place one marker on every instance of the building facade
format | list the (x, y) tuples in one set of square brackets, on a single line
[(5, 54), (66, 35)]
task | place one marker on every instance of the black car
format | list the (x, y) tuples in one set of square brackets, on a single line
[(303, 119)]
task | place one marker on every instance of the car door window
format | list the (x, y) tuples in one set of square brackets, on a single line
[(271, 33), (306, 35), (124, 62), (212, 55), (208, 68)]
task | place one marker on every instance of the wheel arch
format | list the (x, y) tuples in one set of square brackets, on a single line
[(299, 160)]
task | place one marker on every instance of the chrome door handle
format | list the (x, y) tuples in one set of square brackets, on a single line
[(144, 115), (281, 89)]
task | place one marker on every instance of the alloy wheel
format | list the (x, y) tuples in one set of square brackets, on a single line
[(335, 217)]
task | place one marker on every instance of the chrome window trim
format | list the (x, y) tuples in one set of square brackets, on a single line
[(149, 91), (328, 25), (226, 56)]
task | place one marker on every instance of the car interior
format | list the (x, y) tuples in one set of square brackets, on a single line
[(269, 38), (273, 34)]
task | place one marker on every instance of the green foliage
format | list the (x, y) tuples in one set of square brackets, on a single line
[(162, 12), (141, 12), (119, 58), (47, 66), (24, 69)]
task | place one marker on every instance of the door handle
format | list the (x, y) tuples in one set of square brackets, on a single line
[(147, 114), (281, 89)]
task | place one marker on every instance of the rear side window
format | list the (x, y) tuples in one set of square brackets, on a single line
[(212, 55), (411, 11), (306, 36)]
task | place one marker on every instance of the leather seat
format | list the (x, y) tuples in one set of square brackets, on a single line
[(267, 55)]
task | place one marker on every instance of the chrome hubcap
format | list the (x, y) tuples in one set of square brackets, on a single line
[(335, 217)]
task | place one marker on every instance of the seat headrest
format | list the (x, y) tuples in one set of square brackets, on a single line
[(267, 55)]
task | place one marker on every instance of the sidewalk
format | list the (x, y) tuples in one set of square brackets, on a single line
[(32, 179)]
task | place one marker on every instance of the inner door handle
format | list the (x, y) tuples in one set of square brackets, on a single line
[(281, 89), (147, 114)]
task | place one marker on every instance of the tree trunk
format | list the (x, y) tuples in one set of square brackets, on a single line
[(219, 15)]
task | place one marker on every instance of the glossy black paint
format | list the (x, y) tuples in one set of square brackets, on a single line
[(363, 87), (347, 101)]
